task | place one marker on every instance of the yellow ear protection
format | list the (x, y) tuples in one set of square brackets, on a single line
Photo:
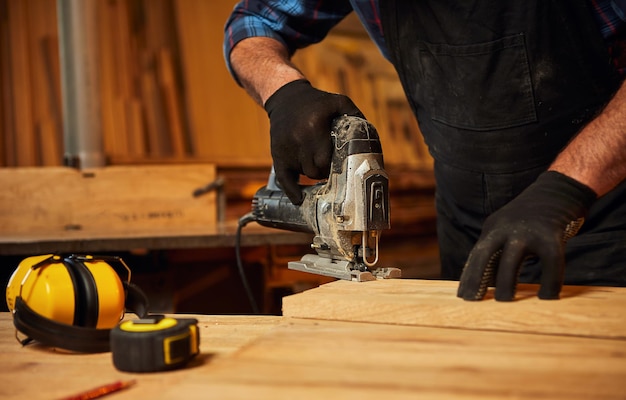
[(71, 302)]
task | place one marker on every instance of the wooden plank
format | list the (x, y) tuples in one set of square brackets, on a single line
[(47, 136), (160, 44), (120, 133), (348, 360), (105, 200), (173, 237), (262, 357), (112, 98), (158, 22), (123, 45), (220, 336), (7, 136), (51, 128), (154, 113), (42, 25), (583, 311), (228, 125), (172, 102), (50, 53), (20, 65), (134, 125)]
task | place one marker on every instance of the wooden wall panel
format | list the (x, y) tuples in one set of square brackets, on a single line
[(226, 124)]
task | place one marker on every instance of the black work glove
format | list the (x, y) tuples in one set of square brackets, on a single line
[(300, 122), (538, 222)]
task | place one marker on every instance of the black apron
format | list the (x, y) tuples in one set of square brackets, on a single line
[(499, 88)]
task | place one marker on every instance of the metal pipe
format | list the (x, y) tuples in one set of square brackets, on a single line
[(80, 85)]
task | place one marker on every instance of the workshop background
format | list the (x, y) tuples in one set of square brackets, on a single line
[(167, 99)]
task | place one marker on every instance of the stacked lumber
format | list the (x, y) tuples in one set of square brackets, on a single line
[(166, 95), (141, 86), (227, 126), (30, 98)]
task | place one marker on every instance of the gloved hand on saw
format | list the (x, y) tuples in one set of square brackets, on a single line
[(300, 124), (536, 223)]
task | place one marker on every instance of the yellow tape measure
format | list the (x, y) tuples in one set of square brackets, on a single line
[(154, 343)]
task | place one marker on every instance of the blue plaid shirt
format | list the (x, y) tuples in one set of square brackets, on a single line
[(298, 24)]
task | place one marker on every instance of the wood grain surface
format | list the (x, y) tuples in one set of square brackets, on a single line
[(269, 357), (581, 311), (179, 237), (307, 359), (37, 372), (53, 200)]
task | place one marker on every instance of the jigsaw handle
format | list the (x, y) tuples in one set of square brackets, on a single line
[(272, 208)]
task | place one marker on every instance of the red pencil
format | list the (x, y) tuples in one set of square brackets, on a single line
[(102, 390)]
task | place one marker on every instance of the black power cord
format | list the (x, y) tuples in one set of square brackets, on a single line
[(243, 221)]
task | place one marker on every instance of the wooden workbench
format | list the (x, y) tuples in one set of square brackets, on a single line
[(210, 236), (397, 339), (119, 208)]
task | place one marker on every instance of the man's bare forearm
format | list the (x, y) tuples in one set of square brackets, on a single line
[(262, 66), (597, 155)]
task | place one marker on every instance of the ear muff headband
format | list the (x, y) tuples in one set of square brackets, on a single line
[(56, 334), (85, 293), (136, 300)]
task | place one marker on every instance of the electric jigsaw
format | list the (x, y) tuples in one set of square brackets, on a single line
[(346, 213)]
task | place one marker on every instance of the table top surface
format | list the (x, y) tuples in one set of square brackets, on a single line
[(332, 343), (217, 235)]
